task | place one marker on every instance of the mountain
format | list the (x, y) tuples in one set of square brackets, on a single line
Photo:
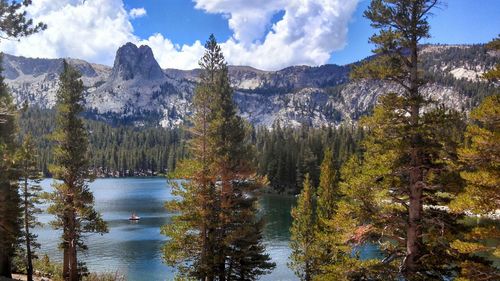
[(137, 91)]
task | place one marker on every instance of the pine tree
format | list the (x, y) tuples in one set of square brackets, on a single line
[(192, 247), (216, 236), (10, 212), (13, 24), (26, 158), (241, 255), (72, 200), (376, 193), (328, 248), (328, 193), (481, 195), (402, 25), (303, 233)]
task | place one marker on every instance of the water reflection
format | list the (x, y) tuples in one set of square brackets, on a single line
[(134, 248)]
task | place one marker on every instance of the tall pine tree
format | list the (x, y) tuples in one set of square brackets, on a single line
[(13, 24), (10, 223), (216, 236), (329, 250), (72, 200), (393, 195), (30, 177), (402, 24)]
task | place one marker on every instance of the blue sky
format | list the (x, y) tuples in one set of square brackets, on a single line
[(457, 22), (266, 34)]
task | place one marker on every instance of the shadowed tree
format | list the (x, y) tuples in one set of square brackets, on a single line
[(10, 223), (13, 24)]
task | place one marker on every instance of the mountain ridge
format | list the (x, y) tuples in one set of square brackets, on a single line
[(137, 90)]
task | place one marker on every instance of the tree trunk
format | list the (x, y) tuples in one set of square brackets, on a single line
[(73, 263), (65, 245), (73, 271), (65, 261), (29, 264), (5, 269), (414, 231), (307, 273)]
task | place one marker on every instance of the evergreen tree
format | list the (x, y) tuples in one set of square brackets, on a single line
[(13, 24), (303, 233), (192, 244), (30, 178), (481, 195), (241, 255), (10, 223), (402, 25), (72, 200), (327, 190), (326, 241), (377, 196), (216, 236)]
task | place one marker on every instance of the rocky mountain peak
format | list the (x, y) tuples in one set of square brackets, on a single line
[(136, 62)]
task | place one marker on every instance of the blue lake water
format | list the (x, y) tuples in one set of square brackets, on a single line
[(134, 248)]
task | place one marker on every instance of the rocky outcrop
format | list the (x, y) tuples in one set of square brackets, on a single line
[(136, 89)]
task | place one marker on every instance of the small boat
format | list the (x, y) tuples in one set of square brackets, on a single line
[(134, 217)]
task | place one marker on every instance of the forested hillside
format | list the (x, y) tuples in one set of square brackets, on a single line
[(114, 151), (283, 154)]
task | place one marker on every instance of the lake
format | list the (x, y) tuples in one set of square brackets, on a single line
[(134, 248)]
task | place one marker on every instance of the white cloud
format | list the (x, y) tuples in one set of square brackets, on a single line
[(308, 32), (90, 30), (169, 55), (137, 13)]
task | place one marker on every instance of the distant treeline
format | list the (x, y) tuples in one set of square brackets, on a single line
[(114, 150), (285, 155)]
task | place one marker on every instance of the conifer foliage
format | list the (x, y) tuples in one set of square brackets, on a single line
[(481, 196), (72, 201), (14, 23), (30, 177), (10, 227), (303, 233), (405, 160), (216, 235)]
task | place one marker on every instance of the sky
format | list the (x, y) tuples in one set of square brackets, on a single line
[(265, 34)]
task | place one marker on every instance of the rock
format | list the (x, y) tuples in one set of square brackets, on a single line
[(137, 91)]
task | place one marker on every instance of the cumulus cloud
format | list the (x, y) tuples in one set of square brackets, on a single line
[(90, 30), (170, 55), (308, 32), (137, 12)]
